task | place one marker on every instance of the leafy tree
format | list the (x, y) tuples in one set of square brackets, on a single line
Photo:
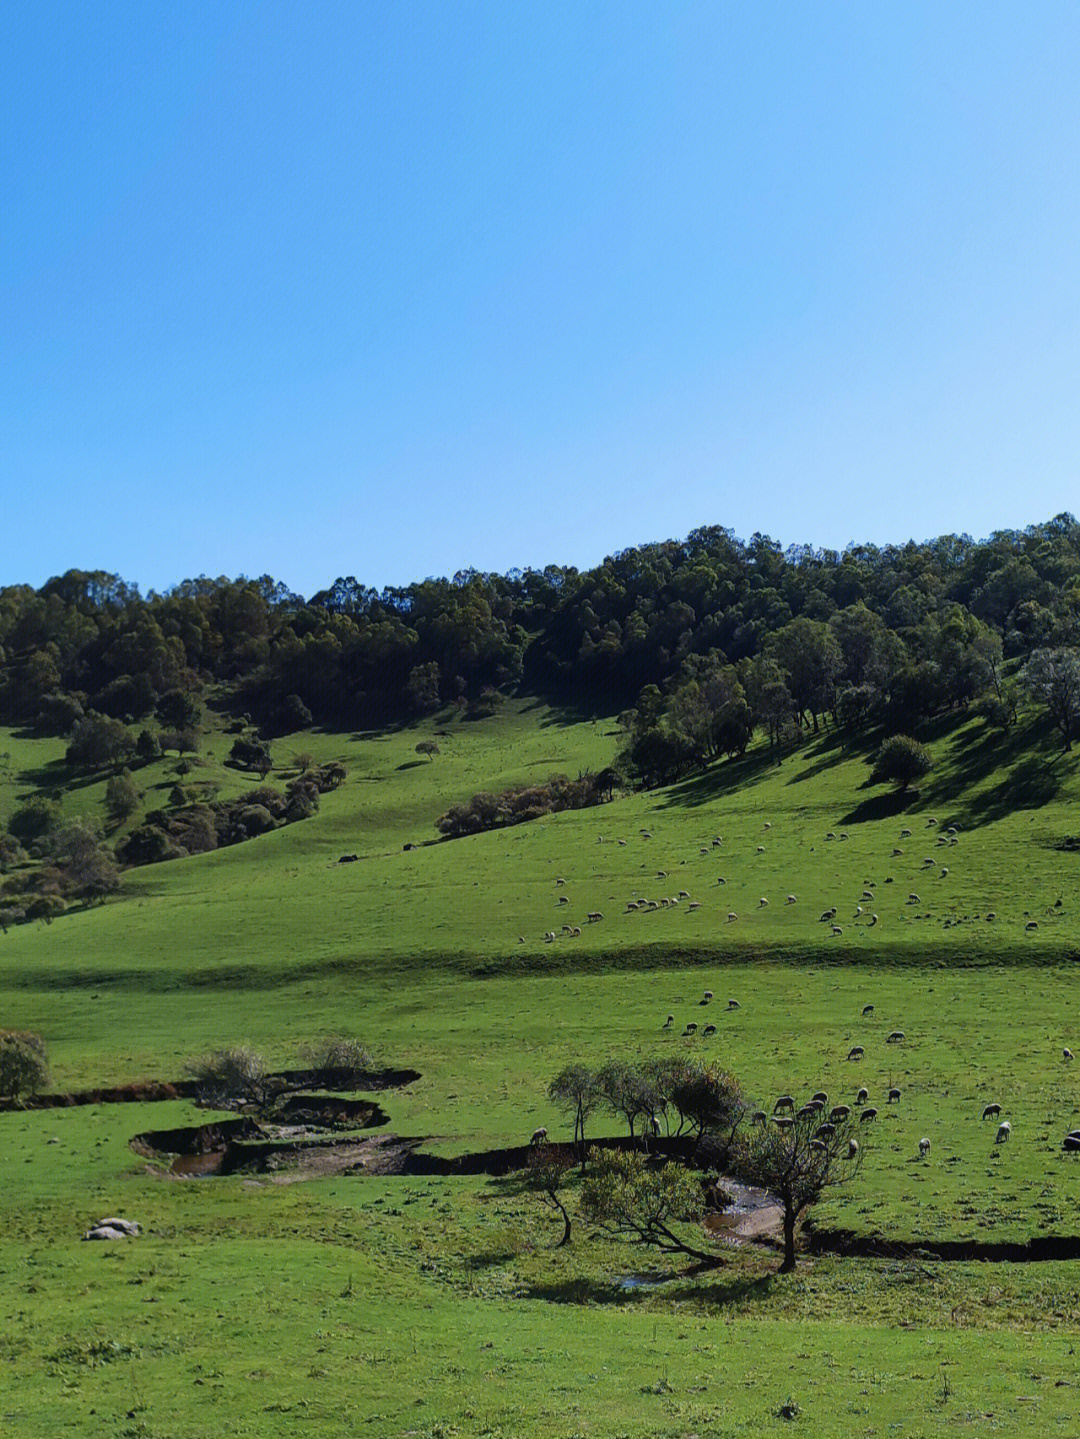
[(24, 1065), (1052, 676), (147, 747), (97, 741), (428, 747), (629, 1090), (575, 1091), (707, 1099), (627, 1195), (901, 760), (121, 796), (35, 817), (294, 714), (544, 1175), (797, 1164), (422, 689), (88, 867), (248, 753), (183, 741), (179, 710)]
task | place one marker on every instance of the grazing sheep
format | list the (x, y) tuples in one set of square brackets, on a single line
[(549, 935), (928, 862), (558, 882), (759, 1117), (761, 849), (721, 880), (1004, 1130), (684, 894), (825, 1131), (894, 1096), (645, 834), (808, 1111), (568, 929), (930, 822), (914, 899), (652, 904), (856, 1052), (862, 1096), (622, 842), (819, 1146), (852, 1148), (1066, 1054), (843, 836), (873, 920), (576, 932), (867, 894), (563, 899), (674, 901), (790, 899), (782, 1122), (786, 1101), (839, 1112), (594, 916), (706, 996), (1071, 1142), (836, 929), (896, 853), (992, 1111), (897, 1037), (703, 851), (668, 1022), (766, 825), (539, 1136), (924, 1148), (867, 1116), (664, 902), (731, 915), (521, 939), (905, 834), (1032, 924), (694, 904), (661, 874), (858, 911), (709, 1029), (763, 903), (827, 915), (868, 1009), (830, 835), (691, 1028), (631, 906), (945, 872), (734, 1004), (821, 1095)]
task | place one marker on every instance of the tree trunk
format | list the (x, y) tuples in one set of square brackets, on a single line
[(789, 1242), (566, 1221)]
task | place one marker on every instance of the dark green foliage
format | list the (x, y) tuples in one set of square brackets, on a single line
[(147, 747), (250, 753), (195, 825), (427, 747), (184, 741), (34, 818), (900, 761), (515, 806), (24, 1065), (98, 741), (179, 710)]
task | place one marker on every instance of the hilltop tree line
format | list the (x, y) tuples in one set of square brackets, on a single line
[(702, 640)]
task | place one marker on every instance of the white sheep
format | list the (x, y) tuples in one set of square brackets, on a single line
[(1066, 1054), (734, 1004), (539, 1136), (558, 882), (691, 1028), (867, 894), (1004, 1130), (873, 920), (862, 1096), (761, 849), (896, 1037), (684, 894), (709, 1029), (894, 1096), (786, 1101), (731, 916), (868, 1009), (836, 929), (852, 1148), (594, 916), (924, 1148), (763, 903), (790, 899), (905, 834), (867, 1116), (1032, 924), (706, 996), (856, 1052), (913, 899), (694, 904), (992, 1111), (945, 872), (668, 1022), (766, 825)]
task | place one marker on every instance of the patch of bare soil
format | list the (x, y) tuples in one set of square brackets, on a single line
[(756, 1216)]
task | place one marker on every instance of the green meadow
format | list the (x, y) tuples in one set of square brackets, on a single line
[(436, 1305)]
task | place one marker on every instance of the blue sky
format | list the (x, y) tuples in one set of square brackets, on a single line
[(392, 289)]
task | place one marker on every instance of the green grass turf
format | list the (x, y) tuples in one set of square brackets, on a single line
[(233, 1312)]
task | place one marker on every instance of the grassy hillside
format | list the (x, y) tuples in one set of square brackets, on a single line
[(436, 957)]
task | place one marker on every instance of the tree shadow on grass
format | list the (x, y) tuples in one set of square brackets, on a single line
[(719, 779), (720, 1288), (1034, 765)]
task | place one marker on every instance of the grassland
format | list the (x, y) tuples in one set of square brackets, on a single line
[(432, 1306)]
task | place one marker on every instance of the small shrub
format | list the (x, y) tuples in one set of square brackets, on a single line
[(341, 1062), (224, 1075), (24, 1066)]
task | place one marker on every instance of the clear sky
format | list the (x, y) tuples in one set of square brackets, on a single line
[(391, 289)]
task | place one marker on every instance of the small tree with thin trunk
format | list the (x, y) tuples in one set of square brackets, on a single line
[(24, 1065), (428, 747), (545, 1173), (630, 1196), (574, 1090), (630, 1091), (797, 1163)]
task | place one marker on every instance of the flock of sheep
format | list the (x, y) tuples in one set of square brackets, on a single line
[(863, 908)]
